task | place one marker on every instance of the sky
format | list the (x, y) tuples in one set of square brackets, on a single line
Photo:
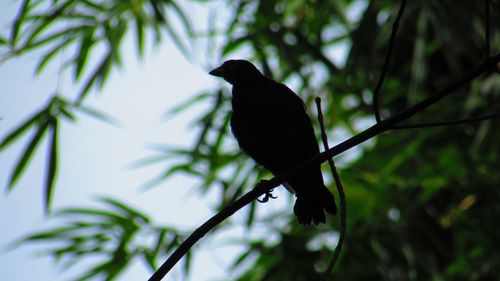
[(95, 157)]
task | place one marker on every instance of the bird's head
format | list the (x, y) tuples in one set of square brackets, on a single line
[(237, 72)]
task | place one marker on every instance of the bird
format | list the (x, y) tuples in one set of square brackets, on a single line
[(271, 125)]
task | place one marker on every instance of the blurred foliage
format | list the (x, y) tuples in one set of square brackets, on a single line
[(112, 237), (422, 203)]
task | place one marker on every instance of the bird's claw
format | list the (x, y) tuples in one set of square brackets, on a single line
[(268, 195)]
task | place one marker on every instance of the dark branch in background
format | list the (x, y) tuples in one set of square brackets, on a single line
[(380, 82), (449, 123), (369, 133), (340, 189), (487, 28)]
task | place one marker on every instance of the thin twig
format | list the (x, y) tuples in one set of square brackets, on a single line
[(380, 82), (448, 123), (367, 134), (340, 189), (487, 28)]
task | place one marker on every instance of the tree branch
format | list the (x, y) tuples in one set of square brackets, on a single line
[(392, 41), (369, 133), (449, 123), (340, 189)]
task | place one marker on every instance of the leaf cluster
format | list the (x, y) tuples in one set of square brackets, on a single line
[(113, 236)]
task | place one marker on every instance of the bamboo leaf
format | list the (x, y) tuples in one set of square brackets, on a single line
[(67, 114), (98, 115), (52, 167), (182, 16), (28, 152), (95, 6), (235, 44), (69, 32), (49, 20), (85, 47), (21, 129), (139, 29), (177, 40), (50, 55), (18, 22), (186, 104), (105, 62), (131, 212)]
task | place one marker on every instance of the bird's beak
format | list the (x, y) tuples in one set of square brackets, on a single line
[(219, 72)]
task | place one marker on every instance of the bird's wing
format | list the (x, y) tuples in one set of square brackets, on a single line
[(297, 124)]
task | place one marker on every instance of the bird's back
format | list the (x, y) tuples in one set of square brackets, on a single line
[(272, 126)]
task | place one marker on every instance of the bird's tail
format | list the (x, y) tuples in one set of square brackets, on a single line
[(312, 208)]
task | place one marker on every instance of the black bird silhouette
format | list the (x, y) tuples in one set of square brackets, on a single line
[(271, 125)]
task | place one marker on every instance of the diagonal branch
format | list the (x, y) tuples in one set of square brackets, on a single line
[(340, 189), (449, 123), (367, 134), (392, 41)]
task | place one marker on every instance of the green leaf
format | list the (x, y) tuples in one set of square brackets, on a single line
[(235, 44), (131, 212), (18, 22), (49, 20), (177, 40), (139, 29), (52, 167), (3, 41), (95, 6), (46, 58), (28, 152), (185, 105), (158, 12), (85, 47), (101, 68), (182, 16), (110, 216), (65, 33), (67, 114), (21, 129), (98, 114)]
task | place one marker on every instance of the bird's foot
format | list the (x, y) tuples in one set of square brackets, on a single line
[(268, 195)]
